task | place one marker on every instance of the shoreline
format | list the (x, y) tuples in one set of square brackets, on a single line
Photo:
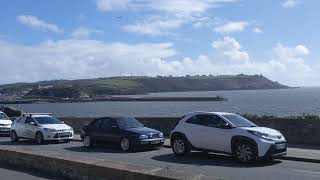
[(116, 99)]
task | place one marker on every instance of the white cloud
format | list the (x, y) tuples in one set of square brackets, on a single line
[(109, 5), (290, 3), (231, 48), (83, 33), (176, 7), (231, 27), (257, 30), (155, 26), (288, 53), (37, 23), (180, 7), (85, 58), (71, 59), (174, 13)]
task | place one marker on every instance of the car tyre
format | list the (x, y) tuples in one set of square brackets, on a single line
[(125, 144), (14, 136), (244, 152), (180, 146), (87, 142), (39, 138)]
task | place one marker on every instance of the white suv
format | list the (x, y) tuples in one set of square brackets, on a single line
[(5, 124), (40, 127), (226, 133)]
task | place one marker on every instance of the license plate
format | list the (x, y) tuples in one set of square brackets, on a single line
[(155, 142), (281, 146), (64, 134), (4, 130)]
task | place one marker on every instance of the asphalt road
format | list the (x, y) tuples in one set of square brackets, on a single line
[(7, 173), (196, 162)]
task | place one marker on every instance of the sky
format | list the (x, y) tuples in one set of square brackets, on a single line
[(45, 40)]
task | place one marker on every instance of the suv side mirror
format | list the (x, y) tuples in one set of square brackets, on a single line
[(226, 126), (62, 122)]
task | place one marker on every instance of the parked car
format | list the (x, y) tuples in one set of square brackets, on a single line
[(226, 133), (5, 124), (127, 132), (40, 127)]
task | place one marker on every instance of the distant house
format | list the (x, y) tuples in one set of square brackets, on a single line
[(84, 96), (45, 87)]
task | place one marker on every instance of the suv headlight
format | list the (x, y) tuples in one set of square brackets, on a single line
[(259, 134), (161, 135), (143, 137), (50, 130)]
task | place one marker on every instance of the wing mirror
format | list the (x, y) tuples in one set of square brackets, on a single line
[(33, 123), (226, 126)]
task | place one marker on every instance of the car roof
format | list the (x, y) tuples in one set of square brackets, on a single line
[(36, 115), (41, 115), (210, 112), (113, 117)]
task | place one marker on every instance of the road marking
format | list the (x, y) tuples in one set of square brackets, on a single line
[(311, 172)]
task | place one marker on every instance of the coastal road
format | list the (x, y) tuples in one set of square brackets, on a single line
[(196, 162)]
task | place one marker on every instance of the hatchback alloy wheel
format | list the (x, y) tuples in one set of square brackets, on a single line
[(125, 144), (87, 141), (14, 137), (39, 138)]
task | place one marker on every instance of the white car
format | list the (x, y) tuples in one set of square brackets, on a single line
[(226, 133), (5, 124), (40, 127)]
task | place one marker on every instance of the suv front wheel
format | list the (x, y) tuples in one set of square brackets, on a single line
[(180, 146), (244, 152)]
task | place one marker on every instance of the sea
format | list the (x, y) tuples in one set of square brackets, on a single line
[(277, 102)]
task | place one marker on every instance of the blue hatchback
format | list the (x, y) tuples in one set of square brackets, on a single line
[(127, 132)]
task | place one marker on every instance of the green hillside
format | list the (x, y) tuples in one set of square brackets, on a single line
[(137, 85)]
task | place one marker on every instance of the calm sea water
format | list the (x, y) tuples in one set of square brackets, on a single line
[(280, 102)]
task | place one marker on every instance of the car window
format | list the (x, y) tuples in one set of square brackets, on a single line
[(207, 120), (108, 123), (97, 123), (48, 120), (3, 116), (129, 122), (29, 119), (239, 121), (211, 121), (193, 120), (21, 120)]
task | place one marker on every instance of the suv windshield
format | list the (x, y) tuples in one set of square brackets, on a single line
[(3, 117), (128, 123), (48, 120), (239, 121)]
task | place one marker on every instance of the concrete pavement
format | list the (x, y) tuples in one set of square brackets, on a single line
[(196, 162), (8, 173), (306, 153)]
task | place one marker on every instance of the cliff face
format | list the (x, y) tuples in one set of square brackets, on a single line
[(140, 85)]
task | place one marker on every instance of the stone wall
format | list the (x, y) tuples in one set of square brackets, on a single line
[(296, 131)]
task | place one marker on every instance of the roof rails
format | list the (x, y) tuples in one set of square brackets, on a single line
[(31, 114)]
